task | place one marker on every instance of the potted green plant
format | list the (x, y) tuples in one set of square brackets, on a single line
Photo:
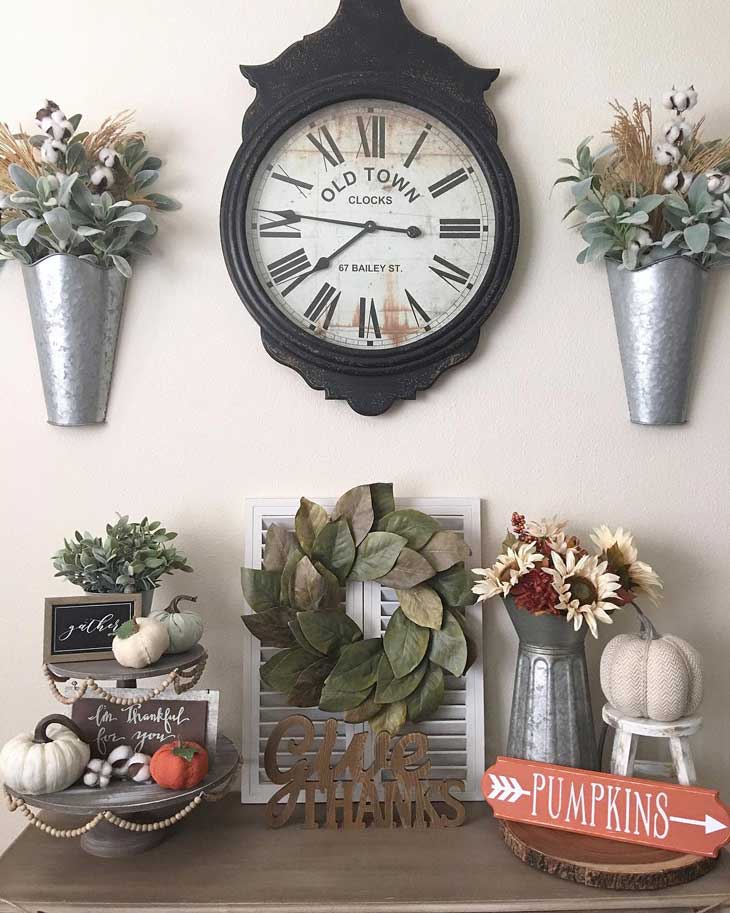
[(130, 558), (655, 205), (75, 208)]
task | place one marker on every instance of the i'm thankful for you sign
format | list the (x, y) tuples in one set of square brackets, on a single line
[(665, 815)]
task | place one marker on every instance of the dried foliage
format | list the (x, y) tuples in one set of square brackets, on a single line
[(633, 164)]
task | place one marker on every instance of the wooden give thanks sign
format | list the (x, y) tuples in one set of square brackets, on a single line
[(665, 815)]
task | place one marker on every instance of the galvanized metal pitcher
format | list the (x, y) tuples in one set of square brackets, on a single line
[(552, 719), (76, 309), (657, 310)]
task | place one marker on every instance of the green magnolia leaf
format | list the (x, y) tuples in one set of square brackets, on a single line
[(376, 555), (260, 588), (311, 518), (281, 672), (295, 629), (448, 646), (382, 498), (405, 643), (410, 569), (307, 689), (390, 719), (422, 605), (454, 586), (186, 751), (472, 649), (333, 700), (271, 627), (357, 666), (427, 698), (279, 542), (356, 506), (415, 526), (363, 712), (332, 596), (128, 629), (309, 586), (328, 631), (287, 575), (390, 688), (445, 549), (335, 548)]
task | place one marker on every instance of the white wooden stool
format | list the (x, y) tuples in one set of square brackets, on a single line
[(629, 728)]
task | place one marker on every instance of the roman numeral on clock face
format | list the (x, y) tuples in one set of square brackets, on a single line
[(417, 147), (419, 314), (449, 182), (279, 228), (290, 266), (460, 228), (302, 186), (324, 300), (327, 146), (369, 320), (374, 145), (450, 273)]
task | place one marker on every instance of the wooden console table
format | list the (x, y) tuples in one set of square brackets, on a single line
[(224, 860)]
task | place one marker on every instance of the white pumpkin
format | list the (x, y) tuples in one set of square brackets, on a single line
[(651, 676), (185, 627), (140, 642), (36, 764)]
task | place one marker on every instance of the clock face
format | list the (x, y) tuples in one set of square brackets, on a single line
[(370, 224)]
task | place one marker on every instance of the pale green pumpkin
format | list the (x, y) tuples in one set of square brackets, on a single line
[(185, 627)]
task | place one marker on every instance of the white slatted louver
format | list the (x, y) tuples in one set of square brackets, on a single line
[(455, 734)]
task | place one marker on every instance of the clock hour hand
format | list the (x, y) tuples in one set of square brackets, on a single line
[(324, 262), (291, 217)]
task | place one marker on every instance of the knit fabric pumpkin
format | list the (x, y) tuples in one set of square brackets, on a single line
[(179, 765)]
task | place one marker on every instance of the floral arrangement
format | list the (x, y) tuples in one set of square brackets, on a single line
[(649, 195), (130, 558), (82, 193), (548, 572), (298, 606)]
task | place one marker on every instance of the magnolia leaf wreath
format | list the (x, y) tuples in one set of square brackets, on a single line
[(324, 661)]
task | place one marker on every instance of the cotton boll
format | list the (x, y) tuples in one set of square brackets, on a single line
[(717, 182), (108, 157), (98, 773), (677, 180), (676, 130), (666, 154), (119, 760), (102, 177), (138, 770), (51, 151), (62, 128), (680, 100)]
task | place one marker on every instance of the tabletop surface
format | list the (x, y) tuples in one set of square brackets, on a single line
[(224, 859)]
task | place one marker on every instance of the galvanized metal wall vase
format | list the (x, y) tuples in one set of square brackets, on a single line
[(76, 310), (657, 310), (552, 719)]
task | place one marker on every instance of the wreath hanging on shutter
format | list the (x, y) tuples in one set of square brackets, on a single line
[(324, 660)]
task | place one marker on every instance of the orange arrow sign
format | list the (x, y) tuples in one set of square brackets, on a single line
[(682, 818)]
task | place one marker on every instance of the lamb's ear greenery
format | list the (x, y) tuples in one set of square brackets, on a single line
[(620, 219), (61, 210)]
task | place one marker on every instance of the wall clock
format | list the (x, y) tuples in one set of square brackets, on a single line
[(369, 220)]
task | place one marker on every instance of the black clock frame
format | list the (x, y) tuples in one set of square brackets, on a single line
[(396, 62)]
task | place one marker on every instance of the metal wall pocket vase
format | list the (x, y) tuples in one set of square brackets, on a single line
[(76, 310), (657, 311), (552, 719)]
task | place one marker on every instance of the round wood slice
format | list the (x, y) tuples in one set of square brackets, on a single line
[(601, 863)]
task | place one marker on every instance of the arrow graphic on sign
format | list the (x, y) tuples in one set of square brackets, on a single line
[(709, 823), (506, 789)]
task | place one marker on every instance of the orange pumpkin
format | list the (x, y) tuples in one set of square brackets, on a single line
[(179, 765)]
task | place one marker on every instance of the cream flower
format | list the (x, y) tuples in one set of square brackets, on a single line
[(584, 588), (547, 528), (619, 549), (506, 571)]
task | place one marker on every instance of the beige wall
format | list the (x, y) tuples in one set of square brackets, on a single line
[(201, 417)]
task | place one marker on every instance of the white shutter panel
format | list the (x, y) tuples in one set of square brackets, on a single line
[(456, 735)]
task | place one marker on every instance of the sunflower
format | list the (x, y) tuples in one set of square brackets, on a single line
[(619, 551), (547, 528), (506, 571), (584, 588)]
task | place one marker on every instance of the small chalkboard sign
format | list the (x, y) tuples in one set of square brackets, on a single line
[(78, 628)]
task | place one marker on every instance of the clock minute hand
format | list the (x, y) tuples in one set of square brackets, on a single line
[(292, 217)]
